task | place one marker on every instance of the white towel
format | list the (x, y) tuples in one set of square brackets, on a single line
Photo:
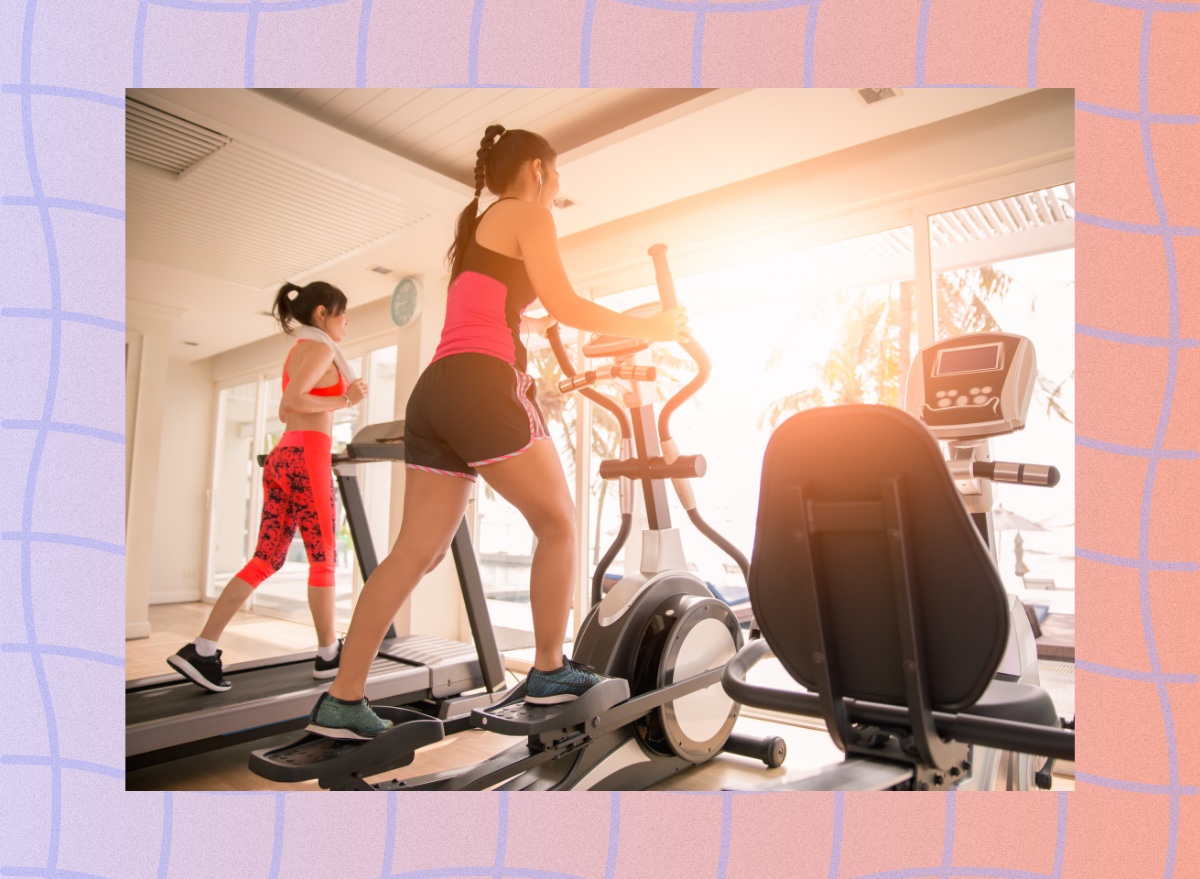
[(303, 331)]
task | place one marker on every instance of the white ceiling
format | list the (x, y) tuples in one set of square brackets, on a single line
[(332, 182), (441, 128)]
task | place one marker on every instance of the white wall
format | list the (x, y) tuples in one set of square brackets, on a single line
[(149, 328), (180, 510)]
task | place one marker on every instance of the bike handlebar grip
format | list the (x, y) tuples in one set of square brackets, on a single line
[(1018, 474), (662, 276)]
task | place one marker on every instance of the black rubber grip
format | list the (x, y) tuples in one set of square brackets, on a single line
[(683, 467), (1017, 474)]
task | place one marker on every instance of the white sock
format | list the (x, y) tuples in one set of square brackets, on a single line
[(328, 652), (205, 647)]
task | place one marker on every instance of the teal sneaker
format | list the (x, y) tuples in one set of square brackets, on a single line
[(345, 720), (565, 684)]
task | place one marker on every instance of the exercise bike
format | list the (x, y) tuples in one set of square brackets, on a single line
[(874, 583), (659, 634), (968, 390)]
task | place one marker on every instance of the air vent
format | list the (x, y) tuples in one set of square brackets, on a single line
[(166, 141), (874, 96)]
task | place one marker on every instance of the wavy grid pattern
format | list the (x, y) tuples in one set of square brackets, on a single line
[(64, 811)]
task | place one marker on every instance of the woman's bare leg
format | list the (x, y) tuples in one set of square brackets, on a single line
[(232, 597), (433, 507), (320, 603), (534, 483)]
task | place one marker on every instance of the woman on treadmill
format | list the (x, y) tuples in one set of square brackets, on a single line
[(297, 480), (473, 412)]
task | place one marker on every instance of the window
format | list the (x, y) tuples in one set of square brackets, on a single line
[(828, 324), (1009, 265)]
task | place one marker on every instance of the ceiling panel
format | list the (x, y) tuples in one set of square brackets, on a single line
[(253, 216), (441, 128)]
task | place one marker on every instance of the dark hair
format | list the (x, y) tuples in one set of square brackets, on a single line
[(301, 307), (499, 159)]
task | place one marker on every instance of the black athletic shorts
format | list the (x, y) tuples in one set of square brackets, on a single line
[(467, 410)]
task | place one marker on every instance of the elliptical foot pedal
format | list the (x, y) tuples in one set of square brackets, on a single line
[(320, 757), (515, 717)]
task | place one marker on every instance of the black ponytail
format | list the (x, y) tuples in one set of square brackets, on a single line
[(294, 303), (499, 158)]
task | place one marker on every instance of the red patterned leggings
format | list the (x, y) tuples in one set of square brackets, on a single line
[(297, 491)]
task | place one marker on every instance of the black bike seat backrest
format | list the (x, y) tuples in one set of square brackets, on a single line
[(845, 454)]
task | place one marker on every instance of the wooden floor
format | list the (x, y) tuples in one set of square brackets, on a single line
[(251, 636)]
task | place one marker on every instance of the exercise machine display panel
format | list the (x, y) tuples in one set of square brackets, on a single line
[(973, 386)]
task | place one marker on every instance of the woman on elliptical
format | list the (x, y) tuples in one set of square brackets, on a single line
[(297, 480), (473, 412)]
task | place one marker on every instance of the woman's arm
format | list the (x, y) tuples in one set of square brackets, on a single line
[(538, 239)]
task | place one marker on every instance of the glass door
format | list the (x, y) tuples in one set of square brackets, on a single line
[(235, 486)]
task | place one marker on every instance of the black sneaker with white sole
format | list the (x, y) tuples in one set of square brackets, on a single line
[(327, 668), (203, 671)]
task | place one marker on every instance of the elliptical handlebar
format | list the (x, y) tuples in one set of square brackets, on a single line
[(679, 469), (564, 363), (662, 277), (626, 429), (666, 295), (628, 373)]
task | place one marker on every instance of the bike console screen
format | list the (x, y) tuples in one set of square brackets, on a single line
[(974, 385)]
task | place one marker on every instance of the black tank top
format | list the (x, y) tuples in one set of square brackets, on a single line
[(484, 304)]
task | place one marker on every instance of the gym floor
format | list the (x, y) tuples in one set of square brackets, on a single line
[(252, 636)]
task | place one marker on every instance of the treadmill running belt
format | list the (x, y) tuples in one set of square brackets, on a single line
[(294, 679)]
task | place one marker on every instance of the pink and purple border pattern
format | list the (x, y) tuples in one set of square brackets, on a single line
[(63, 69)]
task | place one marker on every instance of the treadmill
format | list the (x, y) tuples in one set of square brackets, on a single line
[(168, 717)]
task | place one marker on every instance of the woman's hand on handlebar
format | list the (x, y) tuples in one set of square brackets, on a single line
[(539, 325), (668, 326)]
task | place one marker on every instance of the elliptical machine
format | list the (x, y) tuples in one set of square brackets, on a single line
[(659, 634)]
